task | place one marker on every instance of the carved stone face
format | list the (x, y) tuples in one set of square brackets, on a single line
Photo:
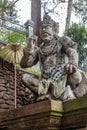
[(46, 32)]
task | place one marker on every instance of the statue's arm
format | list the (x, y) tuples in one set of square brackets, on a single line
[(71, 68), (70, 50), (29, 58), (30, 53), (72, 56)]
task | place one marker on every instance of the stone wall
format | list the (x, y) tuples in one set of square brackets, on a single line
[(47, 115), (24, 95)]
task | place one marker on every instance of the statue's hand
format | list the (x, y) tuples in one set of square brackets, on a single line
[(32, 41), (70, 68), (30, 46), (26, 51)]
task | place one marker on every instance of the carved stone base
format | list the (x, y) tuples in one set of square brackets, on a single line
[(75, 114), (44, 115), (47, 115)]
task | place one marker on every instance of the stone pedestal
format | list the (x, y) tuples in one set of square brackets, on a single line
[(44, 115), (75, 114), (47, 115)]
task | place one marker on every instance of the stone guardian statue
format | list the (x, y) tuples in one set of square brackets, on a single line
[(58, 57)]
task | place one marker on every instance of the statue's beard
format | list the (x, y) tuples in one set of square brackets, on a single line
[(48, 47)]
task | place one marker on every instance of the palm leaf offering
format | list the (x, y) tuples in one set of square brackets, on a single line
[(12, 53)]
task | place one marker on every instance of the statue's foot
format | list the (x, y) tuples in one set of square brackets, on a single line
[(43, 97)]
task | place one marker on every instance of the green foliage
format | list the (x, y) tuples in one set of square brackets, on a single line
[(15, 37), (3, 3), (11, 37), (78, 33), (86, 74)]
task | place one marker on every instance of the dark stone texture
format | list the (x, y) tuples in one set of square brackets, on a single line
[(7, 87)]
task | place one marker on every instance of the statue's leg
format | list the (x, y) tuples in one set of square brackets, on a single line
[(68, 94), (43, 90), (31, 82), (81, 88), (75, 78)]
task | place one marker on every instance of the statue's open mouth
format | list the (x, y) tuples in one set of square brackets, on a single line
[(45, 34)]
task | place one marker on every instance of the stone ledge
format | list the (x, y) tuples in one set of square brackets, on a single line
[(41, 115), (76, 104), (47, 115), (75, 114)]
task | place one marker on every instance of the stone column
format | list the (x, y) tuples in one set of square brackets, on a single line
[(29, 25), (36, 14)]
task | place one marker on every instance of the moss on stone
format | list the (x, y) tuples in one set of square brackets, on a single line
[(56, 106), (76, 104)]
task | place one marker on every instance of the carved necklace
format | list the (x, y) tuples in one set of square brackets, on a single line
[(49, 48)]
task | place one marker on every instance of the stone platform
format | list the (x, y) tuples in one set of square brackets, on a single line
[(47, 115)]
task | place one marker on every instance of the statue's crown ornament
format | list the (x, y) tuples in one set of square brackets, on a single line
[(47, 20)]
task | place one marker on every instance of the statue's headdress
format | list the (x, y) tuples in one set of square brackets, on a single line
[(47, 20)]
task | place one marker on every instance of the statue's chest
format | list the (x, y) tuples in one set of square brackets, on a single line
[(49, 50), (52, 57)]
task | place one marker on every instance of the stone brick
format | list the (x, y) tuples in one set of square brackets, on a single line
[(2, 93), (6, 96), (7, 86), (2, 81), (2, 101), (4, 106), (2, 88)]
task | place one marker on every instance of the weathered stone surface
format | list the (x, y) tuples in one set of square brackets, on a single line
[(4, 106), (47, 115), (2, 81), (9, 77), (10, 103), (72, 105), (1, 94), (7, 87), (39, 116), (11, 92), (2, 109), (11, 97), (6, 97), (75, 114), (21, 93), (2, 101), (3, 88)]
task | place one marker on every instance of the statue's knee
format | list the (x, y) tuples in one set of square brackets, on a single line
[(30, 79), (26, 77), (23, 76), (76, 78)]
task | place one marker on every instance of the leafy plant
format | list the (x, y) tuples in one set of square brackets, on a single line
[(11, 37), (78, 33)]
